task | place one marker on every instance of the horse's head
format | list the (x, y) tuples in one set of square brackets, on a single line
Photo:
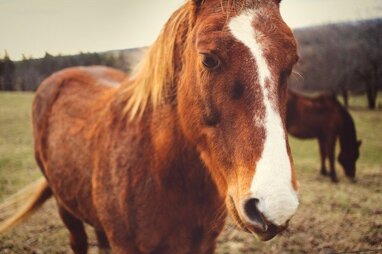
[(231, 103), (348, 157)]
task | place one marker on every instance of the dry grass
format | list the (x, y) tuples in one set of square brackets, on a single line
[(332, 218)]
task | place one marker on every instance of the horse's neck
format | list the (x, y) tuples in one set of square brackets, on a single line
[(173, 154), (347, 135), (161, 149), (176, 159)]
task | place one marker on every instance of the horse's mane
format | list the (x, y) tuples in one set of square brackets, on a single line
[(156, 72)]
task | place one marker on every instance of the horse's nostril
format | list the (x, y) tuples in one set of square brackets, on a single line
[(253, 213)]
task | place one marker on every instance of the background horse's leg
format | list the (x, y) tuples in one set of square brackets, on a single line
[(323, 155), (78, 237), (330, 148), (103, 243)]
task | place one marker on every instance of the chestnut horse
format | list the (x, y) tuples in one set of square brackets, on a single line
[(155, 163), (324, 118)]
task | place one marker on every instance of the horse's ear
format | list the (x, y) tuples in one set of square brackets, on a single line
[(359, 143)]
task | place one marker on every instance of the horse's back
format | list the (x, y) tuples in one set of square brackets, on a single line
[(88, 80), (66, 109), (310, 117)]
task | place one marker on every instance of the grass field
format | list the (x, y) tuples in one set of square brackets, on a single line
[(332, 218)]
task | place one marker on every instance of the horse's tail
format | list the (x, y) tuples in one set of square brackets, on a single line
[(33, 197)]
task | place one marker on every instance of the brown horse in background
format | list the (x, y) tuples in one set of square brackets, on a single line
[(324, 118), (153, 163)]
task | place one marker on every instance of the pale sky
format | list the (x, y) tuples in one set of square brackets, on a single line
[(70, 26)]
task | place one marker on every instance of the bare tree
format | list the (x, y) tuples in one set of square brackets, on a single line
[(370, 54), (341, 57)]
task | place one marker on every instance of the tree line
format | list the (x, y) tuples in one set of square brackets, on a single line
[(335, 58), (27, 74), (339, 58)]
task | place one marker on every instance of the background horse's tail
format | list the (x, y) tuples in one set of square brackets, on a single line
[(32, 196)]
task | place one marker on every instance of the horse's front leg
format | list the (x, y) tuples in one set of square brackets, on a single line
[(78, 237), (330, 147), (323, 155), (103, 243)]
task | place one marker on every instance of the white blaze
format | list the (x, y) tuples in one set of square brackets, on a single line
[(272, 181)]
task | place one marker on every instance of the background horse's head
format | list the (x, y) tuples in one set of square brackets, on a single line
[(348, 157), (231, 104)]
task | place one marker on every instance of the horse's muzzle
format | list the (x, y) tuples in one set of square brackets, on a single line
[(255, 222), (258, 224)]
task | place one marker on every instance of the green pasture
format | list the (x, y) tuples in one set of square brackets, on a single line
[(331, 218), (17, 165)]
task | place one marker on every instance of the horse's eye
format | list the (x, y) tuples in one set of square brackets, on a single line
[(211, 62)]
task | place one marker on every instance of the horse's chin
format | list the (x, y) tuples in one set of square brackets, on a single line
[(271, 232), (268, 235)]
